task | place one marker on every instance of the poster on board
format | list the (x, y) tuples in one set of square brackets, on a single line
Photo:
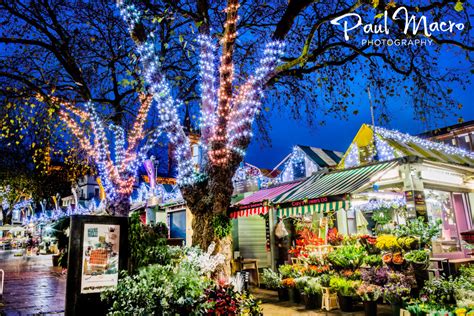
[(100, 257)]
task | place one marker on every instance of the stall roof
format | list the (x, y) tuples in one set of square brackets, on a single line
[(254, 203), (324, 158), (334, 183), (391, 144), (267, 194)]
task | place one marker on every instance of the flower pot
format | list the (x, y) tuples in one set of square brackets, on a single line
[(346, 303), (370, 308), (283, 294), (55, 259), (396, 308), (294, 295), (312, 301)]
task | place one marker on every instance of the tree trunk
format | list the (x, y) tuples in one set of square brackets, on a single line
[(119, 206), (206, 201), (203, 236)]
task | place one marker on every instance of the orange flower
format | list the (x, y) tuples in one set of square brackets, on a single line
[(288, 282), (398, 258), (387, 257)]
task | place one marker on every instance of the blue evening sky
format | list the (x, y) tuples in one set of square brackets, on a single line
[(337, 134)]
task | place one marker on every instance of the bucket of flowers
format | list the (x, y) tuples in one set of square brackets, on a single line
[(313, 293), (419, 259), (369, 294), (398, 289)]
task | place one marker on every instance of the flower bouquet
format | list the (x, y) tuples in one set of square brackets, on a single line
[(313, 293), (387, 243), (314, 270), (271, 279), (288, 283), (394, 260), (398, 287), (369, 292), (334, 238), (419, 259), (369, 242), (346, 290)]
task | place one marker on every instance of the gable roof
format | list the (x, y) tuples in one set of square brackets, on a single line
[(324, 158), (390, 144)]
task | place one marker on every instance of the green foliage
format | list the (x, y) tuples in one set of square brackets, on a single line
[(147, 243), (439, 291), (300, 282), (420, 228), (417, 256), (159, 290), (344, 286), (347, 257), (271, 279), (222, 226), (287, 271), (382, 216), (249, 305), (313, 287), (373, 260)]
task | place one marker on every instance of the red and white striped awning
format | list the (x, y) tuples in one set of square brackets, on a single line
[(249, 211)]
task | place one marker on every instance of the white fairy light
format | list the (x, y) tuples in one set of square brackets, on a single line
[(407, 139), (384, 150), (226, 120), (352, 158)]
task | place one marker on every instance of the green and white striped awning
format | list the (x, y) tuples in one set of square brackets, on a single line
[(311, 209), (326, 187), (334, 183)]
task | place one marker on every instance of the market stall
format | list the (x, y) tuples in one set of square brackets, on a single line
[(253, 224)]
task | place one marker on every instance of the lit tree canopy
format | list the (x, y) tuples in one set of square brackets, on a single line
[(117, 160)]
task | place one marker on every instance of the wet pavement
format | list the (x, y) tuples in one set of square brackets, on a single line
[(32, 285)]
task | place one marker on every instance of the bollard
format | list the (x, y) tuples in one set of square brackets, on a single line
[(2, 273)]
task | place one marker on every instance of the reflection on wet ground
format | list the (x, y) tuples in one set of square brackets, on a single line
[(32, 285)]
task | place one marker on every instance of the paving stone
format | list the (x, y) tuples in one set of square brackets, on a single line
[(32, 286)]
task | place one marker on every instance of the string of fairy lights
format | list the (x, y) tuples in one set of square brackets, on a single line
[(140, 197), (226, 116), (384, 151), (118, 164)]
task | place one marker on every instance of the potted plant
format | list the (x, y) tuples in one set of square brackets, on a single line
[(346, 290), (369, 294), (272, 281), (293, 293), (347, 257), (313, 293), (397, 290)]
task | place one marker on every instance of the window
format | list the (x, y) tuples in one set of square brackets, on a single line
[(463, 142), (440, 206)]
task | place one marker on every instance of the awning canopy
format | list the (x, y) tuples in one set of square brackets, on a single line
[(312, 208), (326, 192), (12, 228), (256, 203)]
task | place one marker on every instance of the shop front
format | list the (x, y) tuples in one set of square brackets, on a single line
[(253, 224)]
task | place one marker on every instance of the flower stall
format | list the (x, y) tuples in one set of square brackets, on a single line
[(389, 272)]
